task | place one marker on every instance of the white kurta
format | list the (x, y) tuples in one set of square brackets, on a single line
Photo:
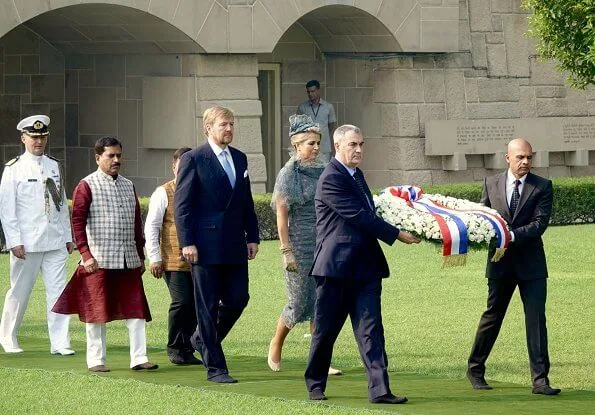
[(31, 220), (153, 223)]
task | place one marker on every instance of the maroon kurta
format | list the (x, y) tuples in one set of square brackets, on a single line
[(107, 294)]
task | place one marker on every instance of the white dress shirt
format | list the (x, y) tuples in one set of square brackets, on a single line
[(157, 206), (352, 173), (510, 179), (219, 153)]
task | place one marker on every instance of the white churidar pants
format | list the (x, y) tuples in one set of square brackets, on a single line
[(96, 342), (23, 274)]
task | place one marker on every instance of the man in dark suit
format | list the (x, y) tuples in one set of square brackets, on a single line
[(218, 232), (525, 201), (349, 266)]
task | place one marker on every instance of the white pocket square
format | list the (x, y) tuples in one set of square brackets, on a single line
[(245, 174)]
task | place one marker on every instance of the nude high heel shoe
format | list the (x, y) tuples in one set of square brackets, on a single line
[(274, 366)]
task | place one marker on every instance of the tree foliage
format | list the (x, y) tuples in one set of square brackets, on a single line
[(565, 30)]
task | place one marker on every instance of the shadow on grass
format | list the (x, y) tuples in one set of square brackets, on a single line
[(427, 394)]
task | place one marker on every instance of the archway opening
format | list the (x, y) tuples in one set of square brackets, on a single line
[(85, 66), (337, 46)]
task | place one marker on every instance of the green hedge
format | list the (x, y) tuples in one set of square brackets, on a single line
[(262, 205), (574, 202)]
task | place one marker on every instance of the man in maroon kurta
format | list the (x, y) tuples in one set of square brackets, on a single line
[(107, 284)]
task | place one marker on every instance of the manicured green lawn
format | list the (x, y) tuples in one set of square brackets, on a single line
[(430, 316)]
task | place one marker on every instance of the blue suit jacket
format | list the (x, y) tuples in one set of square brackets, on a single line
[(348, 229), (211, 215)]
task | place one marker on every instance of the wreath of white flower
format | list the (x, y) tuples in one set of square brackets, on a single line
[(399, 213)]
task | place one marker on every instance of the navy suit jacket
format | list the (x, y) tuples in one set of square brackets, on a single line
[(525, 257), (348, 229), (209, 214)]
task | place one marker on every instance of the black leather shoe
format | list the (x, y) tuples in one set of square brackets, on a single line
[(222, 378), (478, 382), (317, 395), (190, 359), (176, 359), (545, 390), (389, 398), (184, 360)]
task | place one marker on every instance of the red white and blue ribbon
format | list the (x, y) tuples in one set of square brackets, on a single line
[(455, 241)]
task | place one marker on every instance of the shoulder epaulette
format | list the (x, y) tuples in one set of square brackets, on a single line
[(11, 162), (53, 158)]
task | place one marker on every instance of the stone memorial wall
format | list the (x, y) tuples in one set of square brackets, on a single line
[(454, 139)]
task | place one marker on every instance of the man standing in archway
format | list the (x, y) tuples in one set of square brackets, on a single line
[(322, 113)]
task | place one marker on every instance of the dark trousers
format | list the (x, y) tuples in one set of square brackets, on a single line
[(533, 294), (221, 294), (360, 299), (181, 321)]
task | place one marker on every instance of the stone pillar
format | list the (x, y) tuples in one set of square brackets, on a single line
[(231, 81)]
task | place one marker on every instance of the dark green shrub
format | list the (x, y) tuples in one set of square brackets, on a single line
[(574, 202), (267, 220)]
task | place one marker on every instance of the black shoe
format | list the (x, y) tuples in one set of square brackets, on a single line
[(222, 378), (184, 360), (190, 359), (176, 359), (478, 382), (389, 398), (545, 390), (317, 395)]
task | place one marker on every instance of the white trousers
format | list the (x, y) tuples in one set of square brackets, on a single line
[(23, 274), (96, 342)]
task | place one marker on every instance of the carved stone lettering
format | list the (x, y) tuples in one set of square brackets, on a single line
[(577, 132), (446, 137)]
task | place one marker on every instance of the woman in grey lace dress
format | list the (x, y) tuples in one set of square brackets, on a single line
[(293, 201)]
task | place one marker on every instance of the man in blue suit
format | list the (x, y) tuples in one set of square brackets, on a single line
[(349, 266), (218, 232)]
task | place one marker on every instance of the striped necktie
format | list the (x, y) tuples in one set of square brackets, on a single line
[(359, 180)]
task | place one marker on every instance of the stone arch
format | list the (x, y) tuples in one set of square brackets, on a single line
[(96, 27), (84, 65), (346, 28), (414, 25)]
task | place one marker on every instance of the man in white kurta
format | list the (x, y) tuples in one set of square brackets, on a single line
[(36, 224), (164, 258)]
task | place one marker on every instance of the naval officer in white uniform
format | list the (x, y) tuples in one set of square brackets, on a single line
[(36, 224)]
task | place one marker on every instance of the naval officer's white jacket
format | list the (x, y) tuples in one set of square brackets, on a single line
[(27, 218)]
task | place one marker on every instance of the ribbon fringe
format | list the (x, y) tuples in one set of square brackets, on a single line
[(457, 260), (453, 229)]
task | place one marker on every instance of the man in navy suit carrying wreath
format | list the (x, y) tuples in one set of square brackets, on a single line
[(349, 266)]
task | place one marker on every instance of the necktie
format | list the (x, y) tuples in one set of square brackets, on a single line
[(228, 169), (359, 180), (514, 200)]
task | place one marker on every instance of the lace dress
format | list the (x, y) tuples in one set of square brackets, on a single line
[(295, 187)]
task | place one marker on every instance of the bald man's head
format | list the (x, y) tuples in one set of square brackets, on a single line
[(519, 156), (519, 143)]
